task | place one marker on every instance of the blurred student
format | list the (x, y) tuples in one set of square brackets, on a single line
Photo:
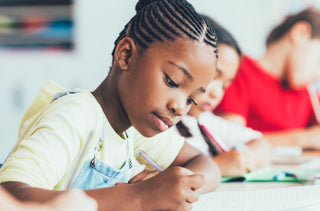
[(271, 94), (70, 201), (163, 60), (254, 152)]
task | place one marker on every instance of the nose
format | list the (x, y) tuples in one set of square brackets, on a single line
[(178, 105), (215, 90), (211, 93)]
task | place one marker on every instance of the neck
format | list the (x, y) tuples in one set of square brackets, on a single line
[(107, 96), (274, 60)]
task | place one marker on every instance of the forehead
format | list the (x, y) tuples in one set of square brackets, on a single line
[(228, 61), (194, 56)]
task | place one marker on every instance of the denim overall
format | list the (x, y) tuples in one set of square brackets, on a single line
[(95, 173)]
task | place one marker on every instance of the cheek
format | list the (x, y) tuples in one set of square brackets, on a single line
[(300, 69), (218, 98), (195, 111), (154, 92), (217, 89)]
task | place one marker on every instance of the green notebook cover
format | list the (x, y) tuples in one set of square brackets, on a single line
[(267, 175)]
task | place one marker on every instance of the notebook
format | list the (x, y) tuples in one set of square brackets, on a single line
[(298, 198), (268, 175)]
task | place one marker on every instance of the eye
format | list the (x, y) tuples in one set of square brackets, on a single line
[(218, 74), (190, 100), (225, 86), (170, 82)]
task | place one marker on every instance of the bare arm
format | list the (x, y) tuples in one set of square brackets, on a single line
[(260, 150), (192, 159), (307, 138), (236, 163), (106, 198), (151, 194), (63, 202)]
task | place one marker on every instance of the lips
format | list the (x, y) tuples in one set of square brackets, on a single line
[(206, 106), (162, 122)]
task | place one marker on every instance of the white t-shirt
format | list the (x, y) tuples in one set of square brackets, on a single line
[(51, 141), (230, 133)]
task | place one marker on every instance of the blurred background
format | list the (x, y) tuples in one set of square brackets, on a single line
[(70, 42)]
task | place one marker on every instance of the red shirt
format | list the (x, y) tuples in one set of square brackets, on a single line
[(265, 104)]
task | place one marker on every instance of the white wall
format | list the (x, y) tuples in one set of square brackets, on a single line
[(97, 24)]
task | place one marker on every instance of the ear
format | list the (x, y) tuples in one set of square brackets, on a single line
[(300, 32), (123, 52)]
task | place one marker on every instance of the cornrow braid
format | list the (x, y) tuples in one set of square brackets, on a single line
[(159, 20)]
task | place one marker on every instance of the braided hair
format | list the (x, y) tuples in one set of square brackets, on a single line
[(160, 20), (224, 37)]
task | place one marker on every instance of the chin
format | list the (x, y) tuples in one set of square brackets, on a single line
[(148, 132)]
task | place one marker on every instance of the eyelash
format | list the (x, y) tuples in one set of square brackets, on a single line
[(171, 83), (190, 100)]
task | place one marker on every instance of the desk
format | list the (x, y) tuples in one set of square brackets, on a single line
[(246, 186), (243, 186)]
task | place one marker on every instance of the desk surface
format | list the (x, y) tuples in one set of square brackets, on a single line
[(244, 186)]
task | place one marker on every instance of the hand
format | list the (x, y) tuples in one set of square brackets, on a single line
[(235, 163), (173, 189), (144, 175)]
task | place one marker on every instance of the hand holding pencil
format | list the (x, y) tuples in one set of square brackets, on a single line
[(170, 189), (146, 173)]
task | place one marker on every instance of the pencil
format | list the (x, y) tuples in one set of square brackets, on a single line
[(223, 147), (149, 160), (313, 93)]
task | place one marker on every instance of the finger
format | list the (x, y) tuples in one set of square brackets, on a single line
[(188, 206), (185, 171), (150, 174), (135, 179), (139, 177), (120, 183), (185, 206), (147, 174), (196, 181), (249, 163), (192, 197)]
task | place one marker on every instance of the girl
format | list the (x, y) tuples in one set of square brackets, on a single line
[(163, 60), (233, 162), (271, 94)]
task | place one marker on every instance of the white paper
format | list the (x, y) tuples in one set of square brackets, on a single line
[(306, 198)]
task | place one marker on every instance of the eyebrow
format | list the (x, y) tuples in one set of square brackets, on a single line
[(184, 70)]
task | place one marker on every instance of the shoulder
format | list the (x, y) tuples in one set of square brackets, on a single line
[(78, 102), (248, 67), (249, 74), (74, 109), (213, 121)]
